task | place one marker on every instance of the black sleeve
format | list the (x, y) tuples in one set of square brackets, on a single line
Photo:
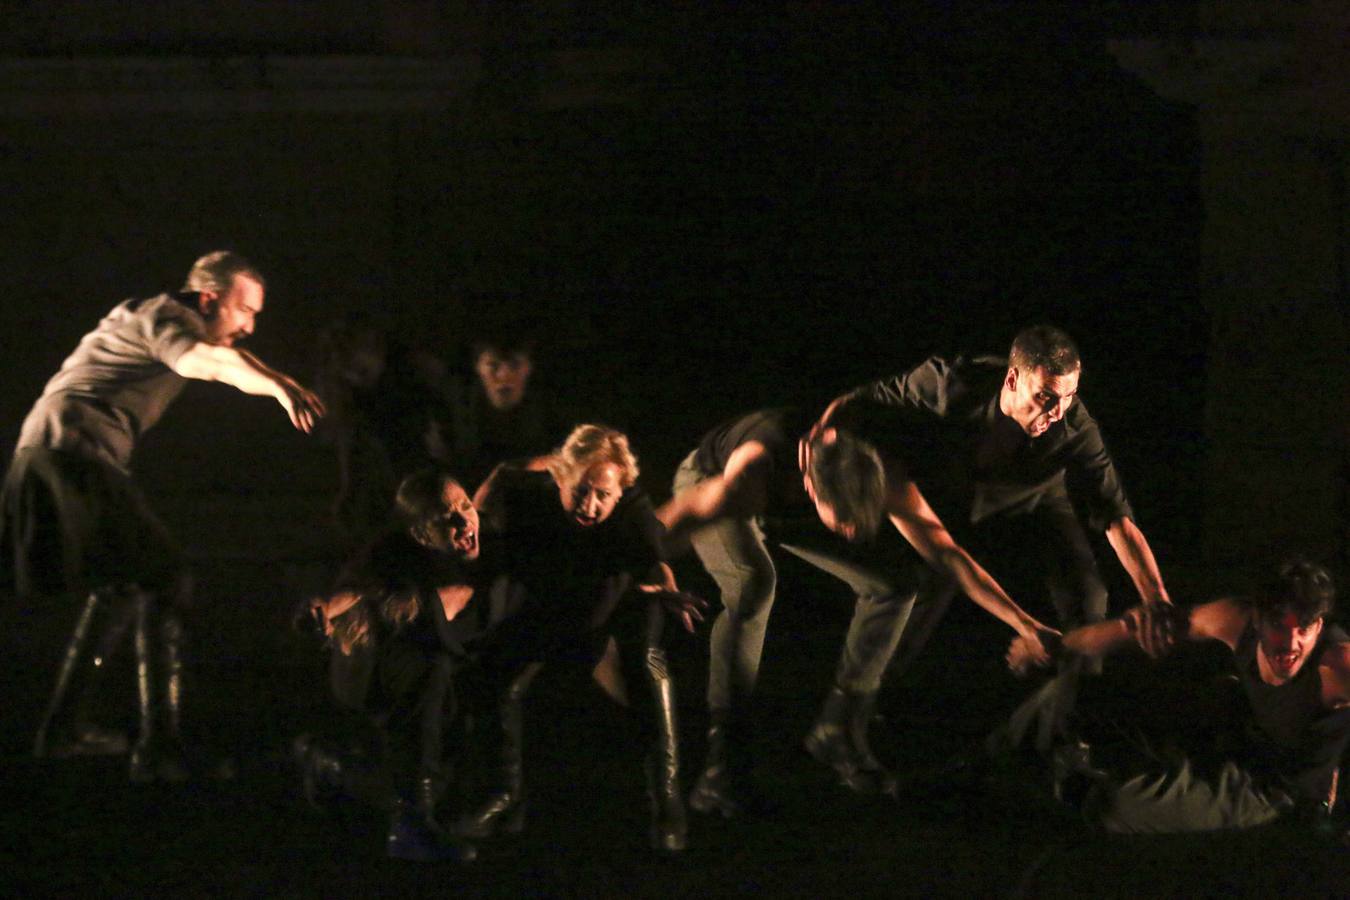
[(640, 534), (1091, 474), (922, 387)]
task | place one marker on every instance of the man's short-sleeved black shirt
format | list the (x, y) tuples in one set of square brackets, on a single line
[(940, 419)]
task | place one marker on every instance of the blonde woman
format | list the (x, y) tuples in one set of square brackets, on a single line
[(583, 546)]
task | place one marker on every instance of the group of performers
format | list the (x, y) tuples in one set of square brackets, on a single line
[(489, 573)]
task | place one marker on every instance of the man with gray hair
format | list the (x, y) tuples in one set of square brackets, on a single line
[(73, 522)]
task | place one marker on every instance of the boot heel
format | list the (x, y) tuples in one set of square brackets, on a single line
[(503, 813), (514, 821), (668, 840)]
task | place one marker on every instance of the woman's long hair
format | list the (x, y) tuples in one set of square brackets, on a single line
[(417, 503)]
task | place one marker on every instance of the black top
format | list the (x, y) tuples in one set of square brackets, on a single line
[(553, 555), (942, 420), (398, 411), (395, 564), (779, 430), (1294, 737), (481, 436)]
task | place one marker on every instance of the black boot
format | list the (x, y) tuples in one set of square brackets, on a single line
[(65, 730), (158, 754), (321, 770), (414, 834), (725, 785), (670, 826), (830, 742), (860, 721), (331, 773), (504, 809), (202, 762)]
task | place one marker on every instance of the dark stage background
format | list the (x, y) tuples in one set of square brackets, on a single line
[(702, 212)]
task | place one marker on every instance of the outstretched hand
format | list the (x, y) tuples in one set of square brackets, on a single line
[(307, 617), (302, 405), (1156, 627), (1035, 651), (686, 607)]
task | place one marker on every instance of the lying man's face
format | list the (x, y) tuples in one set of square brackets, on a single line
[(1285, 643)]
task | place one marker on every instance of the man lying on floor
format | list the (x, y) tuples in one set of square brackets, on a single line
[(1293, 667)]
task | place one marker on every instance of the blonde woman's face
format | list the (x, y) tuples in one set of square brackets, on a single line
[(591, 497)]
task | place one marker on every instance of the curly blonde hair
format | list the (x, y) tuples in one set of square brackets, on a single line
[(588, 445)]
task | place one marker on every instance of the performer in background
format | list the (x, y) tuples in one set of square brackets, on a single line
[(382, 405), (501, 414), (75, 523)]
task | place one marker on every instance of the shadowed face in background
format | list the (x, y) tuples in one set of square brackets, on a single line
[(504, 377)]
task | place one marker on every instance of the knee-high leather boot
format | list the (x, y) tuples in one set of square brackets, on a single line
[(830, 741), (670, 827), (331, 773), (725, 786), (65, 729), (414, 834), (158, 754), (504, 810)]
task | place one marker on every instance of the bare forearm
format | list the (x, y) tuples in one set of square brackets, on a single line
[(692, 507), (1136, 557), (980, 586), (329, 608), (240, 370), (1100, 638)]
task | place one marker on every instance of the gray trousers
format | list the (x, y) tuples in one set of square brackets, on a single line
[(1178, 800), (735, 553), (1156, 764)]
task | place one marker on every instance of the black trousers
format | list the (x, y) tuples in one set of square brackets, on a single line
[(402, 693), (618, 641)]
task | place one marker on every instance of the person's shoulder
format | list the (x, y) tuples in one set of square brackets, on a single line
[(777, 426), (1337, 652), (1334, 670), (635, 501), (1080, 427), (977, 370), (392, 546), (159, 311), (516, 483), (159, 304)]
